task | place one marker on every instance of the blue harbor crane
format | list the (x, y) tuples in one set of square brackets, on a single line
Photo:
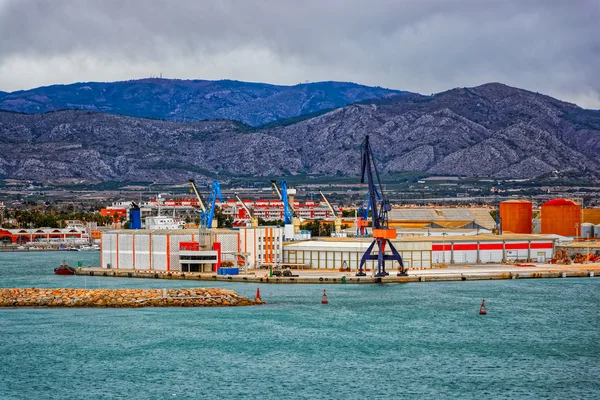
[(215, 193), (288, 209), (207, 213), (380, 207)]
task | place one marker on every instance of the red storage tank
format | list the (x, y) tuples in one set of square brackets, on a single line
[(561, 217), (516, 216)]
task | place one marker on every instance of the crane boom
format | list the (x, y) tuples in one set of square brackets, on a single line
[(244, 205), (253, 218), (337, 221), (274, 183), (193, 184), (328, 203)]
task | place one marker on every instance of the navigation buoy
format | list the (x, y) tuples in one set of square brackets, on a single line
[(257, 298), (324, 299), (482, 310)]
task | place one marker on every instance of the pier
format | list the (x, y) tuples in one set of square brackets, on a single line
[(464, 273)]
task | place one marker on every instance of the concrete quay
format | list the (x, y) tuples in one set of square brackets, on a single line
[(121, 298), (464, 273)]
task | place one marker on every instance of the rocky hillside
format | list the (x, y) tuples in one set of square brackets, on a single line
[(490, 130), (186, 100)]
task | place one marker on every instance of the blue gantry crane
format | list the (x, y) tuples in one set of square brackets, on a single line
[(363, 213), (380, 207)]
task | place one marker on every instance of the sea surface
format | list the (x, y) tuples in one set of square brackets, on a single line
[(540, 339)]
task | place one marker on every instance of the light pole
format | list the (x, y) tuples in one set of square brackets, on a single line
[(443, 247)]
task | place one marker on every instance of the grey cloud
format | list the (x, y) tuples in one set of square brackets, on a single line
[(424, 46)]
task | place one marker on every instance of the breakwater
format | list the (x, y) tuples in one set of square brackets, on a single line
[(121, 298)]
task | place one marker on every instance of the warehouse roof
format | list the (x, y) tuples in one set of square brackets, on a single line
[(481, 238), (171, 231)]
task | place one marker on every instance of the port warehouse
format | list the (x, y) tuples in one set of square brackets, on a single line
[(165, 250), (74, 233)]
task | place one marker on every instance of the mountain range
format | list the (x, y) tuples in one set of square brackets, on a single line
[(254, 104), (491, 130)]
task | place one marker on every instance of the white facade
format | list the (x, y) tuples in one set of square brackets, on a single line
[(164, 222), (332, 254), (143, 249), (264, 245), (159, 249), (492, 249)]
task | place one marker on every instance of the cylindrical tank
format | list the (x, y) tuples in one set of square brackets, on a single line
[(597, 231), (561, 217), (591, 215), (135, 218), (515, 216), (587, 230)]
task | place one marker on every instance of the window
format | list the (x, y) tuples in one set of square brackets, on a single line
[(199, 258)]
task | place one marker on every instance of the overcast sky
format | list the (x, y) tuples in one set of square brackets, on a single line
[(424, 46)]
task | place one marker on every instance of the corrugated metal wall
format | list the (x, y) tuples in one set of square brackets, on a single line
[(336, 259), (561, 217), (142, 252), (516, 216)]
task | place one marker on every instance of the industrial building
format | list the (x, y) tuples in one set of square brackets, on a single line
[(269, 210), (174, 250), (451, 218), (425, 251), (162, 249), (74, 233)]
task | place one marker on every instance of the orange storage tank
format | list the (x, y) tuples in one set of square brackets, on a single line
[(561, 217), (516, 216), (591, 215)]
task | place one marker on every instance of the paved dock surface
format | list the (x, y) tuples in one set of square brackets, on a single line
[(462, 273)]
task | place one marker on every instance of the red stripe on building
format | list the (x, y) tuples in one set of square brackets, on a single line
[(541, 245), (489, 246)]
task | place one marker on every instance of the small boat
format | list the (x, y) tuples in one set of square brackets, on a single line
[(64, 269), (91, 247)]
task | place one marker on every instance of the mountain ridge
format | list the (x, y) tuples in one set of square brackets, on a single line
[(491, 130), (253, 103)]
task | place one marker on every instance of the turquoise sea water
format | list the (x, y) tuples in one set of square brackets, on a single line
[(540, 339)]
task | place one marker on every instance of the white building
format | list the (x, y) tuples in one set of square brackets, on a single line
[(162, 249)]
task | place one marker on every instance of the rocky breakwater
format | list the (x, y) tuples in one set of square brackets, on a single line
[(121, 298)]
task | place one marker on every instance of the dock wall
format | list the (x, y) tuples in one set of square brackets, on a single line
[(350, 278)]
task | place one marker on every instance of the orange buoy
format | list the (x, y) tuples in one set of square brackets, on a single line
[(324, 299), (257, 298), (482, 310)]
